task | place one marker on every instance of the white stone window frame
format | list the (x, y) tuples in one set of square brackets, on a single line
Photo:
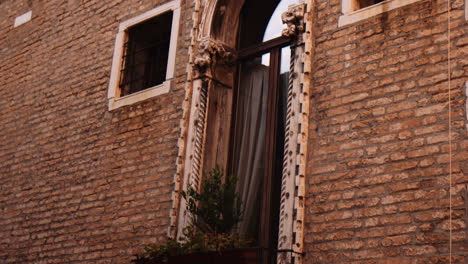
[(352, 14), (114, 99)]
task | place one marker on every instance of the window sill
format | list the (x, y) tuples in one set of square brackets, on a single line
[(370, 11), (140, 96)]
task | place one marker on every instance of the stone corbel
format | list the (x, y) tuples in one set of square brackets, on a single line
[(210, 53), (294, 20)]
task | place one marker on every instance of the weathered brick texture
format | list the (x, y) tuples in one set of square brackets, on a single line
[(80, 184), (379, 158)]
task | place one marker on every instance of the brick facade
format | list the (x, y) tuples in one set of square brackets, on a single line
[(379, 157), (81, 184)]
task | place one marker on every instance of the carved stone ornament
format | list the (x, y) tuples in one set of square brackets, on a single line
[(210, 52), (294, 19)]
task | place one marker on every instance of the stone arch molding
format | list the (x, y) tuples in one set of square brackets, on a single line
[(212, 48)]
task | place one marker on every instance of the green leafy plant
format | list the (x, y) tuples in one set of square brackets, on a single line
[(153, 254), (217, 207), (214, 211)]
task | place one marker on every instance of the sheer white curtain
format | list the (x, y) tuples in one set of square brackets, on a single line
[(249, 143)]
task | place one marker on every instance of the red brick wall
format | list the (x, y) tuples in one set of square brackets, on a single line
[(80, 184), (378, 171)]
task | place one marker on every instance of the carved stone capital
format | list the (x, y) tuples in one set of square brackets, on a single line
[(294, 20), (210, 52)]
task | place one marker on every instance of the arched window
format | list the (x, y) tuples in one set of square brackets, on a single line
[(260, 102), (246, 114)]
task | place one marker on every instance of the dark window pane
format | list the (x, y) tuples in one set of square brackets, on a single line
[(366, 3)]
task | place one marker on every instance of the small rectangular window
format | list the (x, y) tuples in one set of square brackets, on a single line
[(145, 54)]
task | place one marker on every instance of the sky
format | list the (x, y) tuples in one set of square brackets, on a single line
[(273, 30)]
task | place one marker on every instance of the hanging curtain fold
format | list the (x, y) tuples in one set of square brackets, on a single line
[(249, 142)]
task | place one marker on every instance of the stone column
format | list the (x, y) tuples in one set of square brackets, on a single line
[(210, 55), (290, 247)]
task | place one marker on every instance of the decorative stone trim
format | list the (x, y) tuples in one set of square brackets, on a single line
[(210, 52), (294, 19), (192, 173), (180, 177), (290, 237), (303, 135), (205, 53)]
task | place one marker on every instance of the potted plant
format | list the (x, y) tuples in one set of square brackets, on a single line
[(215, 211)]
